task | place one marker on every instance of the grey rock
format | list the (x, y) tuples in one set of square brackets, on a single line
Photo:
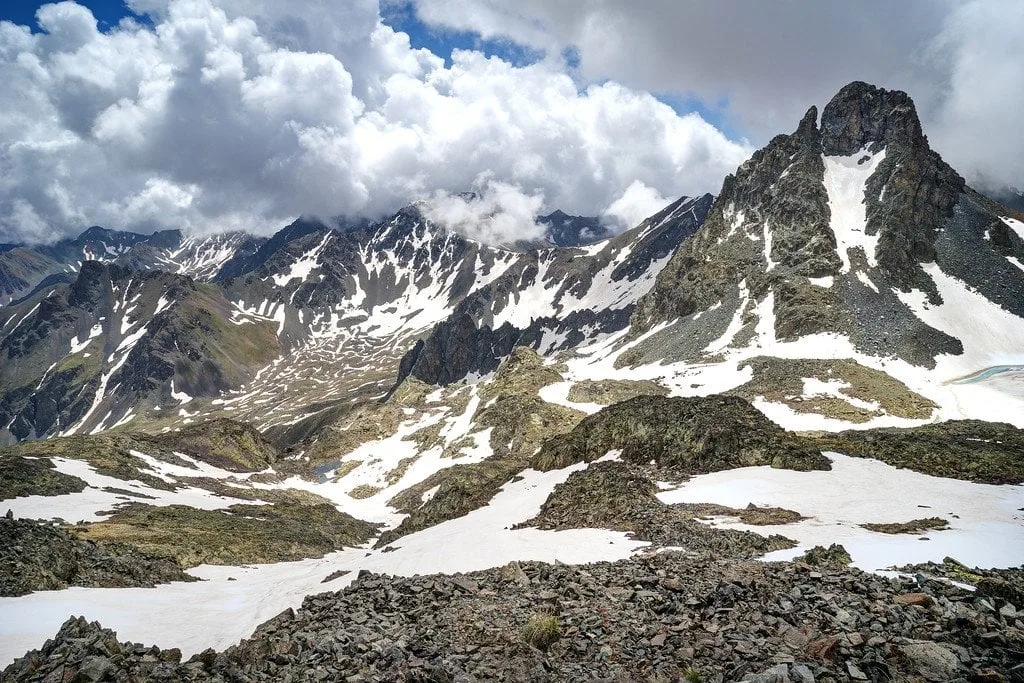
[(933, 661)]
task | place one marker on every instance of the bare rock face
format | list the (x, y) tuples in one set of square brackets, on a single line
[(861, 115)]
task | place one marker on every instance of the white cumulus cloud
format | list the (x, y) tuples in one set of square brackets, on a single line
[(232, 114), (499, 213)]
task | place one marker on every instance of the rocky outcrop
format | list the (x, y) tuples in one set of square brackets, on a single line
[(911, 193), (659, 617), (619, 496), (38, 556), (973, 450), (230, 445), (20, 476), (861, 393), (682, 435), (296, 526)]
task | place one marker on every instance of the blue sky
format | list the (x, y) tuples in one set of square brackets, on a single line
[(402, 17), (107, 12)]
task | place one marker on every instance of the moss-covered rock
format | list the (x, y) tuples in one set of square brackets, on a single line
[(752, 514), (619, 496), (37, 556), (523, 372), (914, 526), (684, 435), (292, 528), (834, 556), (609, 391), (109, 453), (460, 490), (973, 450)]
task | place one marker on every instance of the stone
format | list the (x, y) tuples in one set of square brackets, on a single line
[(855, 672), (918, 599), (824, 648), (931, 660), (94, 669)]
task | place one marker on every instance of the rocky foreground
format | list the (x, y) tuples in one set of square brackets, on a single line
[(658, 617)]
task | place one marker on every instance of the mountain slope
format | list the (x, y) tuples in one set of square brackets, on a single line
[(311, 318)]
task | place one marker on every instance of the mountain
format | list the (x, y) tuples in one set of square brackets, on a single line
[(845, 260), (353, 297), (25, 267), (819, 367), (563, 230)]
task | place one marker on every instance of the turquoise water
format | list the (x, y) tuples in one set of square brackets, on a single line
[(989, 372)]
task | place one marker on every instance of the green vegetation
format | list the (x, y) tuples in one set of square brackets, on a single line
[(542, 631), (973, 450), (223, 443), (107, 452)]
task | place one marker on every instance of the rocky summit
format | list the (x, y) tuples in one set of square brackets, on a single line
[(771, 435)]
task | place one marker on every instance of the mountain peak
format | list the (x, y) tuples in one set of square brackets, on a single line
[(809, 123), (862, 114)]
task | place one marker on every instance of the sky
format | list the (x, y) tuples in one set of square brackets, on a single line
[(210, 115)]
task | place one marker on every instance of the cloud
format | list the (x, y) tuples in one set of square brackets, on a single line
[(760, 65), (242, 115), (637, 203), (499, 213), (977, 124)]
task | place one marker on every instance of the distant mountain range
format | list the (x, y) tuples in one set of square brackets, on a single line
[(849, 245)]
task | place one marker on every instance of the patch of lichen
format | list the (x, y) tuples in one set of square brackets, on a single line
[(461, 489), (523, 373), (781, 380), (241, 534), (520, 423), (364, 491), (608, 391), (21, 476), (972, 450), (395, 475)]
